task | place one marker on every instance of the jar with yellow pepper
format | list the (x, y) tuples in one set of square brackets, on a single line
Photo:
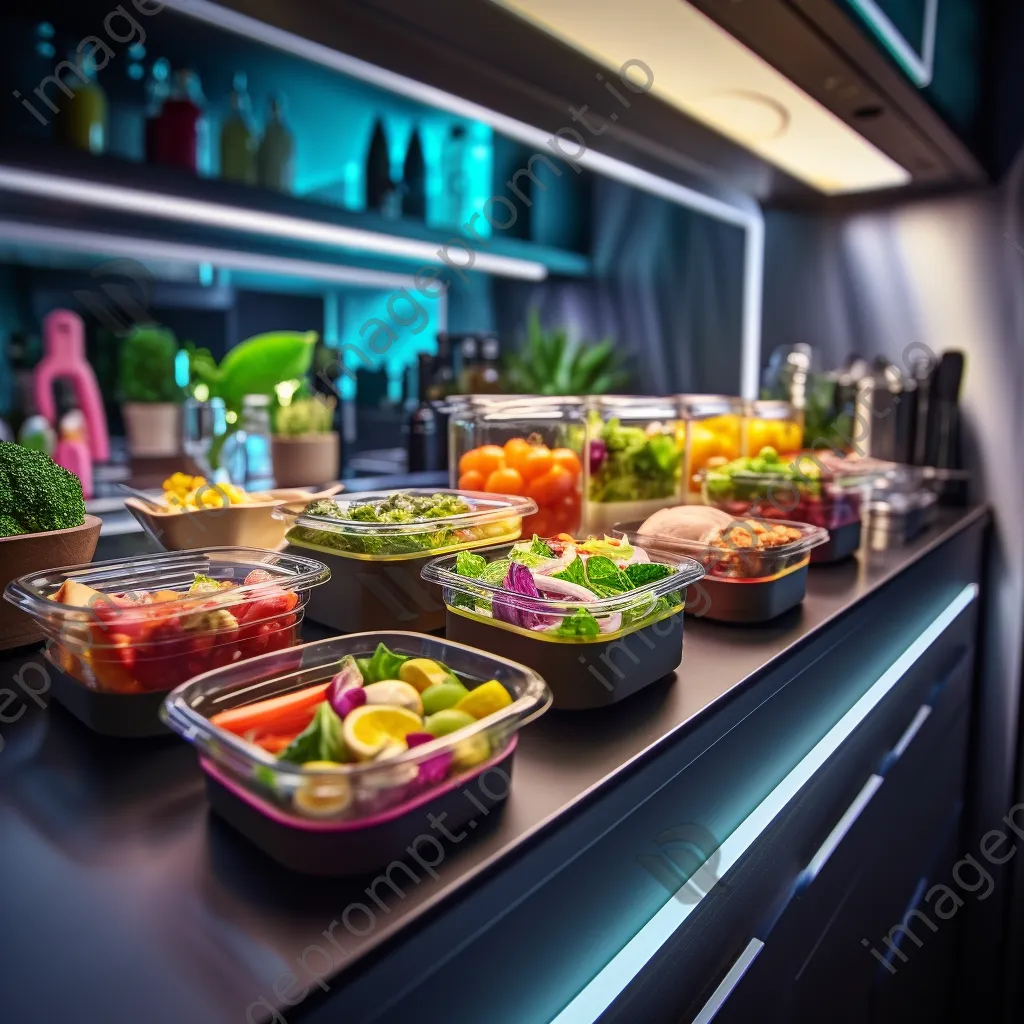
[(712, 428), (773, 424)]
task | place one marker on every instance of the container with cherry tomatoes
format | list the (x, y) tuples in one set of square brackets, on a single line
[(711, 427), (523, 446), (635, 455)]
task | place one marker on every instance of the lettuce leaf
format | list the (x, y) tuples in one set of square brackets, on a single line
[(580, 623), (385, 664), (470, 565), (640, 574), (602, 572), (574, 572), (321, 740)]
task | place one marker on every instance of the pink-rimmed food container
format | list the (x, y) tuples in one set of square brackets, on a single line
[(365, 815)]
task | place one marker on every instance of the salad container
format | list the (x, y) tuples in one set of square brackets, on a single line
[(754, 570), (327, 818), (121, 634), (529, 446), (593, 650), (635, 454), (772, 424), (377, 543), (801, 489), (712, 426)]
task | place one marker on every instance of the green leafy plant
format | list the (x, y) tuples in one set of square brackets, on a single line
[(551, 364), (148, 354), (311, 414)]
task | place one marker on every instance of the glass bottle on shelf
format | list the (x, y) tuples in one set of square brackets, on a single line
[(414, 180), (380, 190), (276, 158), (238, 137), (82, 120), (470, 359), (158, 89), (490, 367), (454, 181), (178, 130), (423, 429), (444, 377)]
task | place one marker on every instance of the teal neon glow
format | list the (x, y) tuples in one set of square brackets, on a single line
[(613, 978), (919, 66)]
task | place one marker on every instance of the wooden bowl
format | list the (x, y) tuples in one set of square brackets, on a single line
[(35, 552), (251, 525)]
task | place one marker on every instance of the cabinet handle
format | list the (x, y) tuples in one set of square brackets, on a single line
[(908, 736), (729, 982), (842, 826)]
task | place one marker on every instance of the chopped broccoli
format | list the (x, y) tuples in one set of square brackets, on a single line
[(36, 495)]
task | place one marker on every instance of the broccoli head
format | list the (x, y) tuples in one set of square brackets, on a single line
[(36, 494)]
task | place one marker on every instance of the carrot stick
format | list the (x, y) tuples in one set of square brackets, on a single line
[(277, 714), (275, 744)]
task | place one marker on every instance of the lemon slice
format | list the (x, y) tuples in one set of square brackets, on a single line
[(422, 672), (485, 700), (370, 729), (323, 797)]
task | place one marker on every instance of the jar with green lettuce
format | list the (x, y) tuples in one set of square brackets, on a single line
[(634, 458)]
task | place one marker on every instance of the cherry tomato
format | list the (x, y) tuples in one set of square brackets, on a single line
[(567, 459), (472, 480), (504, 481), (552, 486), (536, 463), (485, 460), (516, 452)]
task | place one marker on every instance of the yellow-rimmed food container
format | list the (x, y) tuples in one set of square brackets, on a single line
[(376, 543), (594, 646), (770, 423)]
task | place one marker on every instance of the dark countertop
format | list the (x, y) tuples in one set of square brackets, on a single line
[(126, 900)]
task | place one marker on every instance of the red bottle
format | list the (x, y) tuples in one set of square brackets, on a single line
[(178, 130)]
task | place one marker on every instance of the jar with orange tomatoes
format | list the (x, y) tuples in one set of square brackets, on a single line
[(634, 459), (524, 446), (772, 424), (713, 429)]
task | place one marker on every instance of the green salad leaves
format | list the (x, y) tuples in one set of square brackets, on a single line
[(636, 466)]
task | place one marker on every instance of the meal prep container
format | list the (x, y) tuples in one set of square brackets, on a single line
[(832, 501), (383, 809), (741, 584), (114, 663), (582, 671), (775, 424), (375, 567), (713, 429), (896, 518), (635, 455), (480, 421)]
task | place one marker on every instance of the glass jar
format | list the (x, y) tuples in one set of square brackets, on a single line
[(713, 430), (635, 456), (523, 445), (772, 424)]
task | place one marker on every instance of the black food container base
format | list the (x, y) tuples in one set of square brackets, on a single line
[(582, 675), (746, 601), (406, 833), (842, 542), (363, 595)]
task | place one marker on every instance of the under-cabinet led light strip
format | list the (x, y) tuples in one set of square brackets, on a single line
[(95, 243), (919, 66), (242, 219), (613, 978), (747, 216)]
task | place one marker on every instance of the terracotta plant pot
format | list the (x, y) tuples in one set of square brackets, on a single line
[(305, 460), (36, 552), (153, 428)]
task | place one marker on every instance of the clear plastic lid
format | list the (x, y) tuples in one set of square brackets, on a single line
[(771, 409), (747, 548), (362, 789), (145, 577), (703, 407), (400, 524), (615, 613), (635, 407)]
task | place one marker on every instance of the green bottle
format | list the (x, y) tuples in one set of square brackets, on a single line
[(276, 157), (238, 137)]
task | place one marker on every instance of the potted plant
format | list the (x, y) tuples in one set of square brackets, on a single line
[(150, 396), (305, 448)]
